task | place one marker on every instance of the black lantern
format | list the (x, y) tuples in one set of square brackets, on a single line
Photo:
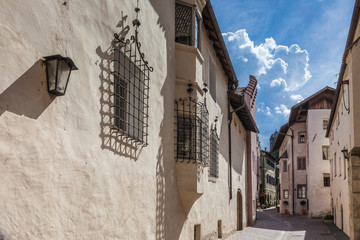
[(58, 69), (346, 153)]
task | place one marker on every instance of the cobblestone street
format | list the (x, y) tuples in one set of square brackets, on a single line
[(271, 225)]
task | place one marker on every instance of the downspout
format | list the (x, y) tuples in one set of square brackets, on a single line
[(229, 129), (292, 170)]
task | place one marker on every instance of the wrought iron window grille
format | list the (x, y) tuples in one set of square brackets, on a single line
[(192, 134), (131, 88), (214, 152), (187, 24)]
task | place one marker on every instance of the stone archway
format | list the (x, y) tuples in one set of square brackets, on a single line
[(239, 211)]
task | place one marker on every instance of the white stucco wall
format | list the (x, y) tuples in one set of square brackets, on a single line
[(318, 195), (65, 175)]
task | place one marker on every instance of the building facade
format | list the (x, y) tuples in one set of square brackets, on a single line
[(149, 140), (304, 159), (344, 134), (267, 193)]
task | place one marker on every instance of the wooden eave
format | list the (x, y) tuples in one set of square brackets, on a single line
[(244, 114), (349, 43), (214, 33)]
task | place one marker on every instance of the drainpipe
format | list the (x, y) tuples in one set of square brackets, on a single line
[(292, 170), (229, 129)]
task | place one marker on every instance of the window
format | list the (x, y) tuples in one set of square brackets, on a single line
[(325, 123), (286, 194), (270, 163), (214, 154), (335, 164), (131, 93), (302, 137), (192, 135), (301, 163), (325, 152), (345, 169), (212, 79), (285, 168), (301, 191), (326, 180), (187, 25), (339, 166)]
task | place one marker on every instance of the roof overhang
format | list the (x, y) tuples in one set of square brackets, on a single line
[(215, 36), (348, 46), (237, 102)]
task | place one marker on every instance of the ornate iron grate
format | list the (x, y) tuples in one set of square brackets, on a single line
[(192, 134), (131, 88), (214, 153)]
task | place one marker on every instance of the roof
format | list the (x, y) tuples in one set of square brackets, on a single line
[(244, 114), (304, 105), (280, 137), (215, 36), (349, 44), (269, 155), (284, 155)]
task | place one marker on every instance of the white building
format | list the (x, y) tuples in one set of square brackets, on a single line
[(136, 148), (344, 134), (304, 159)]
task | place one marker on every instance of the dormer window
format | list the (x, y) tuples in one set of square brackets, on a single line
[(187, 24)]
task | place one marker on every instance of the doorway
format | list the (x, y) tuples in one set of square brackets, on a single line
[(239, 211)]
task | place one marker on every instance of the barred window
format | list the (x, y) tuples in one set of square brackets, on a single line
[(187, 25), (301, 191), (325, 152), (214, 153), (131, 93), (192, 134), (326, 180)]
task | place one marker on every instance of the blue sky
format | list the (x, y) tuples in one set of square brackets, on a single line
[(293, 47)]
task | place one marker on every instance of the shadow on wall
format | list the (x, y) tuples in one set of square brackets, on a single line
[(170, 216), (110, 138), (28, 95)]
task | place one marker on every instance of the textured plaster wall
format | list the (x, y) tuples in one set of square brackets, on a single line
[(64, 174), (285, 177), (340, 137), (318, 195)]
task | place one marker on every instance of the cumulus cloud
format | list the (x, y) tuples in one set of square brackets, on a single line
[(297, 98), (268, 112), (270, 60), (278, 82), (282, 110)]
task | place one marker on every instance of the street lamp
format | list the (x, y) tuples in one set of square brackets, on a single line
[(58, 69), (346, 153)]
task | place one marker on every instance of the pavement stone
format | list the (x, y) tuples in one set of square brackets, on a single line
[(271, 225)]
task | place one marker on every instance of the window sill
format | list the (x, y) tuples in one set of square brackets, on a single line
[(190, 49)]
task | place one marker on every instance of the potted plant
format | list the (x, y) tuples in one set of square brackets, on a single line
[(286, 203), (328, 218), (303, 203)]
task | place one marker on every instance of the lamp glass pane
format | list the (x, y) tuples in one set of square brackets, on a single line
[(63, 75), (51, 72)]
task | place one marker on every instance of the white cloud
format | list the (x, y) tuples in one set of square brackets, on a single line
[(269, 60), (282, 110), (278, 82), (297, 98), (268, 112)]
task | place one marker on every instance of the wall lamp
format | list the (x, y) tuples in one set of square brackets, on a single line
[(346, 153), (58, 69)]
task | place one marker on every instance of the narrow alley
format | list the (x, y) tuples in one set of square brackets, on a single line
[(271, 225)]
